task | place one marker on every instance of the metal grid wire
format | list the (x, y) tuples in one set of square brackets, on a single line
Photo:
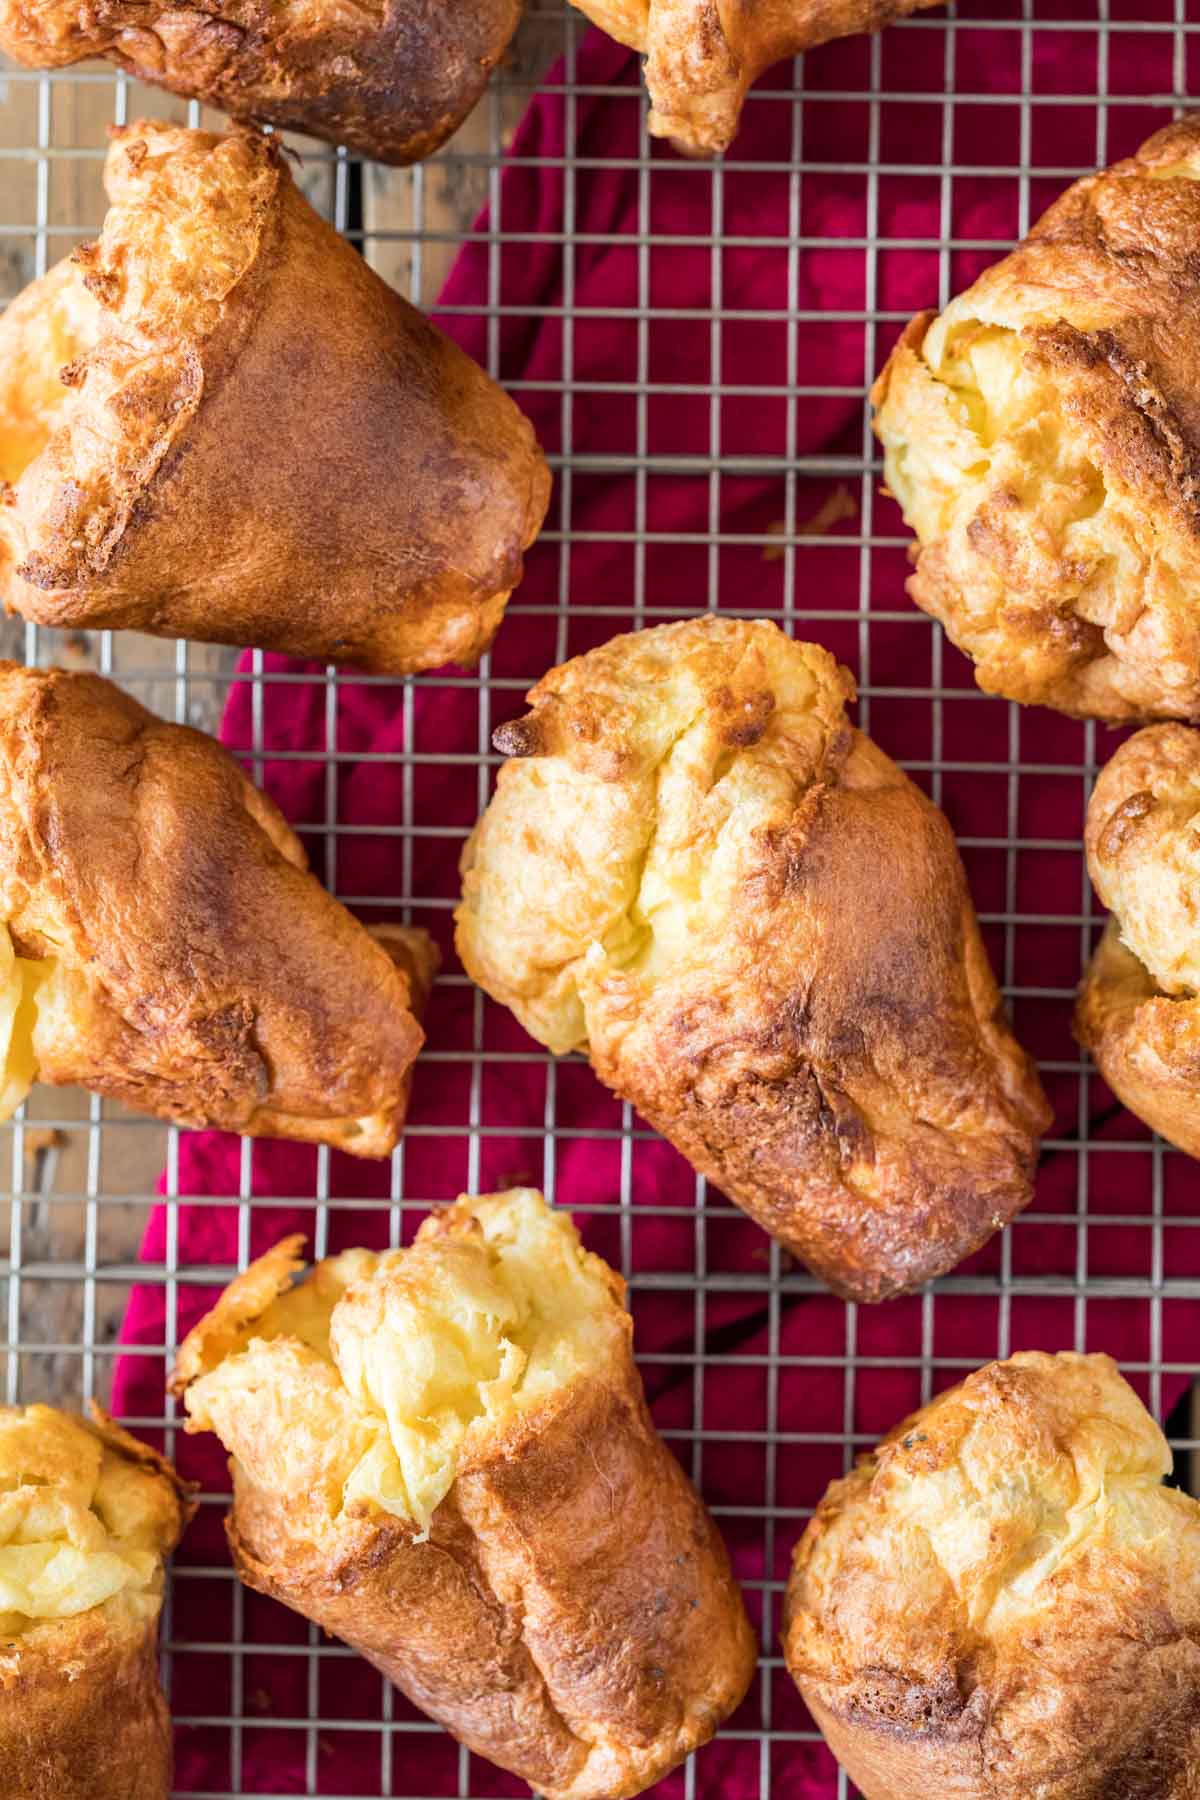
[(1108, 1255)]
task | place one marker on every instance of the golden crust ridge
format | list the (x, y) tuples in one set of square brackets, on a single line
[(1043, 440), (696, 869), (560, 1600), (703, 55), (384, 521), (164, 943), (1042, 1637), (391, 81)]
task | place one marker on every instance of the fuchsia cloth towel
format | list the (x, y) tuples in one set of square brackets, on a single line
[(682, 247)]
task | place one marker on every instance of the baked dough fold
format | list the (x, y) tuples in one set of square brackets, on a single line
[(217, 422), (1139, 1003), (162, 942), (87, 1515), (1042, 436), (697, 871), (703, 55), (443, 1456), (1003, 1600), (390, 80)]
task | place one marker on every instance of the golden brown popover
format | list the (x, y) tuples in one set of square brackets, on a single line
[(443, 1456), (1003, 1601), (1139, 1005), (217, 422), (391, 82), (1042, 436), (702, 55), (697, 871), (162, 942), (87, 1515)]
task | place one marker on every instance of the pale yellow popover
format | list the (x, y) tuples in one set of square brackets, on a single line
[(695, 869), (1042, 436), (1002, 1602), (87, 1515), (443, 1455)]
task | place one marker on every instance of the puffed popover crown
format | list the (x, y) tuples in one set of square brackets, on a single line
[(391, 81), (703, 55), (217, 422), (162, 941), (87, 1515), (696, 870), (1139, 1004), (1042, 436), (378, 1378), (1003, 1600), (443, 1455)]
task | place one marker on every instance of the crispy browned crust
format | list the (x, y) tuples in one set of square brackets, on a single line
[(571, 1615), (1031, 1631), (1146, 1044), (391, 82), (247, 1297), (1138, 1012), (831, 1048), (123, 1442), (212, 980), (82, 1714), (1070, 578), (287, 454), (863, 1097), (703, 55)]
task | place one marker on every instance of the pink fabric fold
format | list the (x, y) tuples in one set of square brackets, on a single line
[(746, 242)]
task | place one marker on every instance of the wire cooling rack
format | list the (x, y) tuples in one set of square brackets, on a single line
[(765, 1387)]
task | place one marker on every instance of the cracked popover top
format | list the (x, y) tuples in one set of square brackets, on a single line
[(696, 870), (1003, 1600), (1042, 436), (442, 1453), (87, 1517)]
